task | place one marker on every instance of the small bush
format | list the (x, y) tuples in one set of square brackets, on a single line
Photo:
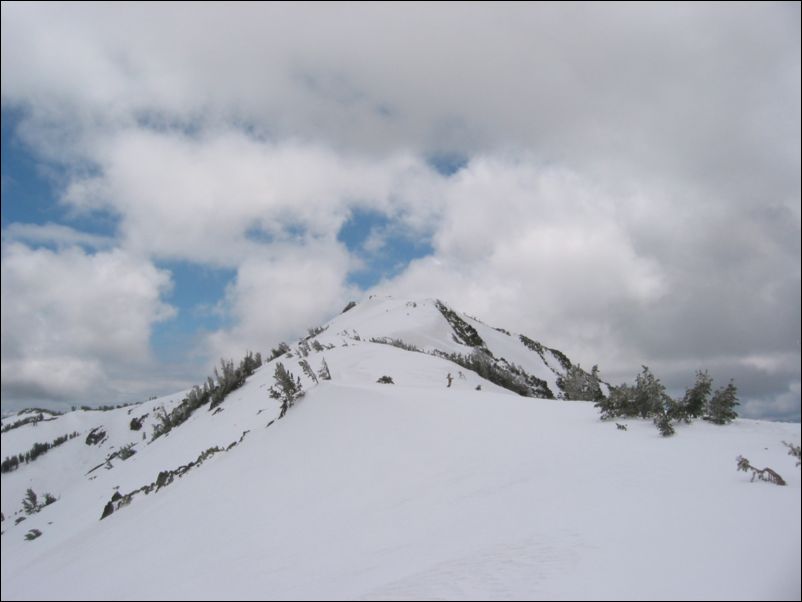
[(386, 380), (95, 436), (126, 451)]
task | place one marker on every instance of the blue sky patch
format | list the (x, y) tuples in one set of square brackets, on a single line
[(196, 294), (30, 186), (385, 246), (447, 164)]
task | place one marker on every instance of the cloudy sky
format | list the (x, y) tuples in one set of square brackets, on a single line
[(181, 182)]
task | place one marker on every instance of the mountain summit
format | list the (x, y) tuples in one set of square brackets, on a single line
[(403, 450)]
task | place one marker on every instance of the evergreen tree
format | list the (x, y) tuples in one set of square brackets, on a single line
[(696, 397), (795, 451), (278, 351), (663, 423), (30, 502), (650, 396), (287, 389), (308, 370), (620, 402), (721, 407), (324, 373), (579, 385)]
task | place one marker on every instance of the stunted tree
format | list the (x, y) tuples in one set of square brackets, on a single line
[(763, 474), (287, 389), (721, 408)]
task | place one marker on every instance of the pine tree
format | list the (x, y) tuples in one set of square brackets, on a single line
[(696, 398), (308, 370), (650, 396), (287, 389), (663, 423), (324, 373), (721, 408), (578, 385), (30, 502), (795, 451)]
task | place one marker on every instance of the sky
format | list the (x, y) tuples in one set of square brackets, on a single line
[(185, 182)]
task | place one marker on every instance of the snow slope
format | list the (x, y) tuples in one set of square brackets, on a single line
[(405, 491)]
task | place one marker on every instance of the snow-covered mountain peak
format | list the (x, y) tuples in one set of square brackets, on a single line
[(401, 450)]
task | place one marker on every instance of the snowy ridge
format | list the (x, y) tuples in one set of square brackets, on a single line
[(411, 490)]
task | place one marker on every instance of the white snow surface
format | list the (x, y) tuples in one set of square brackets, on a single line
[(404, 491)]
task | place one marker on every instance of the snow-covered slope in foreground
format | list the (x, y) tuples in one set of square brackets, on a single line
[(408, 491)]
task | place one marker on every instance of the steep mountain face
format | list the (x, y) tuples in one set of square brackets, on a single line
[(459, 479)]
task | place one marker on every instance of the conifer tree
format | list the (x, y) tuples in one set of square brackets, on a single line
[(324, 373), (650, 396), (663, 423), (721, 407), (30, 502), (308, 370), (287, 389), (578, 385), (696, 398)]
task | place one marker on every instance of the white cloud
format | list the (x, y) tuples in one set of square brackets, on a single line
[(55, 234), (70, 319), (176, 193), (652, 87), (632, 192), (538, 247), (280, 293)]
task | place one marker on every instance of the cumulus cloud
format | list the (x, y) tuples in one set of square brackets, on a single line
[(175, 193), (565, 259), (70, 318), (631, 192), (55, 234), (281, 293)]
